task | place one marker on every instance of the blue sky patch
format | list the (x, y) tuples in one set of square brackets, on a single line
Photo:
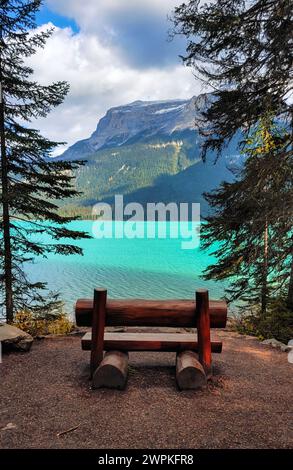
[(45, 15)]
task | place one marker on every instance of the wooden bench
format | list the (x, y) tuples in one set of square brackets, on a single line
[(111, 370)]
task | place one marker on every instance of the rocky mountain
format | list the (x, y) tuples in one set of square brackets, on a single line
[(138, 120), (149, 152)]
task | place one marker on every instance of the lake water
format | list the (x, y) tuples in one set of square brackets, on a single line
[(139, 267)]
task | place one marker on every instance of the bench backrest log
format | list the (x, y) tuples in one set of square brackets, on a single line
[(200, 313), (160, 313)]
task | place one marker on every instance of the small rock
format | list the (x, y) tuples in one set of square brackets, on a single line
[(285, 348), (272, 342), (276, 344), (8, 427), (13, 338)]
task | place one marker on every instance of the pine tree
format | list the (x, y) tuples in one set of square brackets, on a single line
[(253, 219), (244, 52), (32, 183)]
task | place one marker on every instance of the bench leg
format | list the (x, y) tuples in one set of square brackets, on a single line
[(98, 328), (203, 330), (190, 374), (112, 372)]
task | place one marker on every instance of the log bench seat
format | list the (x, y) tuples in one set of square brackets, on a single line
[(109, 351), (168, 342)]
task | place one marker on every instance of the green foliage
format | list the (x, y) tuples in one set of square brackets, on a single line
[(252, 219), (74, 210), (126, 169), (278, 323), (243, 50), (153, 170)]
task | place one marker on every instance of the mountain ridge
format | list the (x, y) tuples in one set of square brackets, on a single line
[(139, 118), (147, 151)]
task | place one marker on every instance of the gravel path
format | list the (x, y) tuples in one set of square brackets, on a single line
[(248, 404)]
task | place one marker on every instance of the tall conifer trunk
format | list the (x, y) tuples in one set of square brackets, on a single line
[(264, 291), (5, 208), (290, 289)]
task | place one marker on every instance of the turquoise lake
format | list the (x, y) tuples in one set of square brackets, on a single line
[(137, 267)]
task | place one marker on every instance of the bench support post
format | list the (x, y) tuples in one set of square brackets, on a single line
[(190, 374), (112, 371), (203, 330), (98, 327)]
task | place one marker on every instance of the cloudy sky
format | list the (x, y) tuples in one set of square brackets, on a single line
[(112, 52)]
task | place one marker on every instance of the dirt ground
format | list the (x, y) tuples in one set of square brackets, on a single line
[(248, 403)]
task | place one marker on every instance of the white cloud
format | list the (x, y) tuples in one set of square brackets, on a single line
[(99, 79), (119, 55), (95, 14)]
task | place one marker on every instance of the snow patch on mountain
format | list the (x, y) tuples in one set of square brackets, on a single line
[(169, 110)]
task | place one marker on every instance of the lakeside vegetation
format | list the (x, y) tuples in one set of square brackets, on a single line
[(42, 325)]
